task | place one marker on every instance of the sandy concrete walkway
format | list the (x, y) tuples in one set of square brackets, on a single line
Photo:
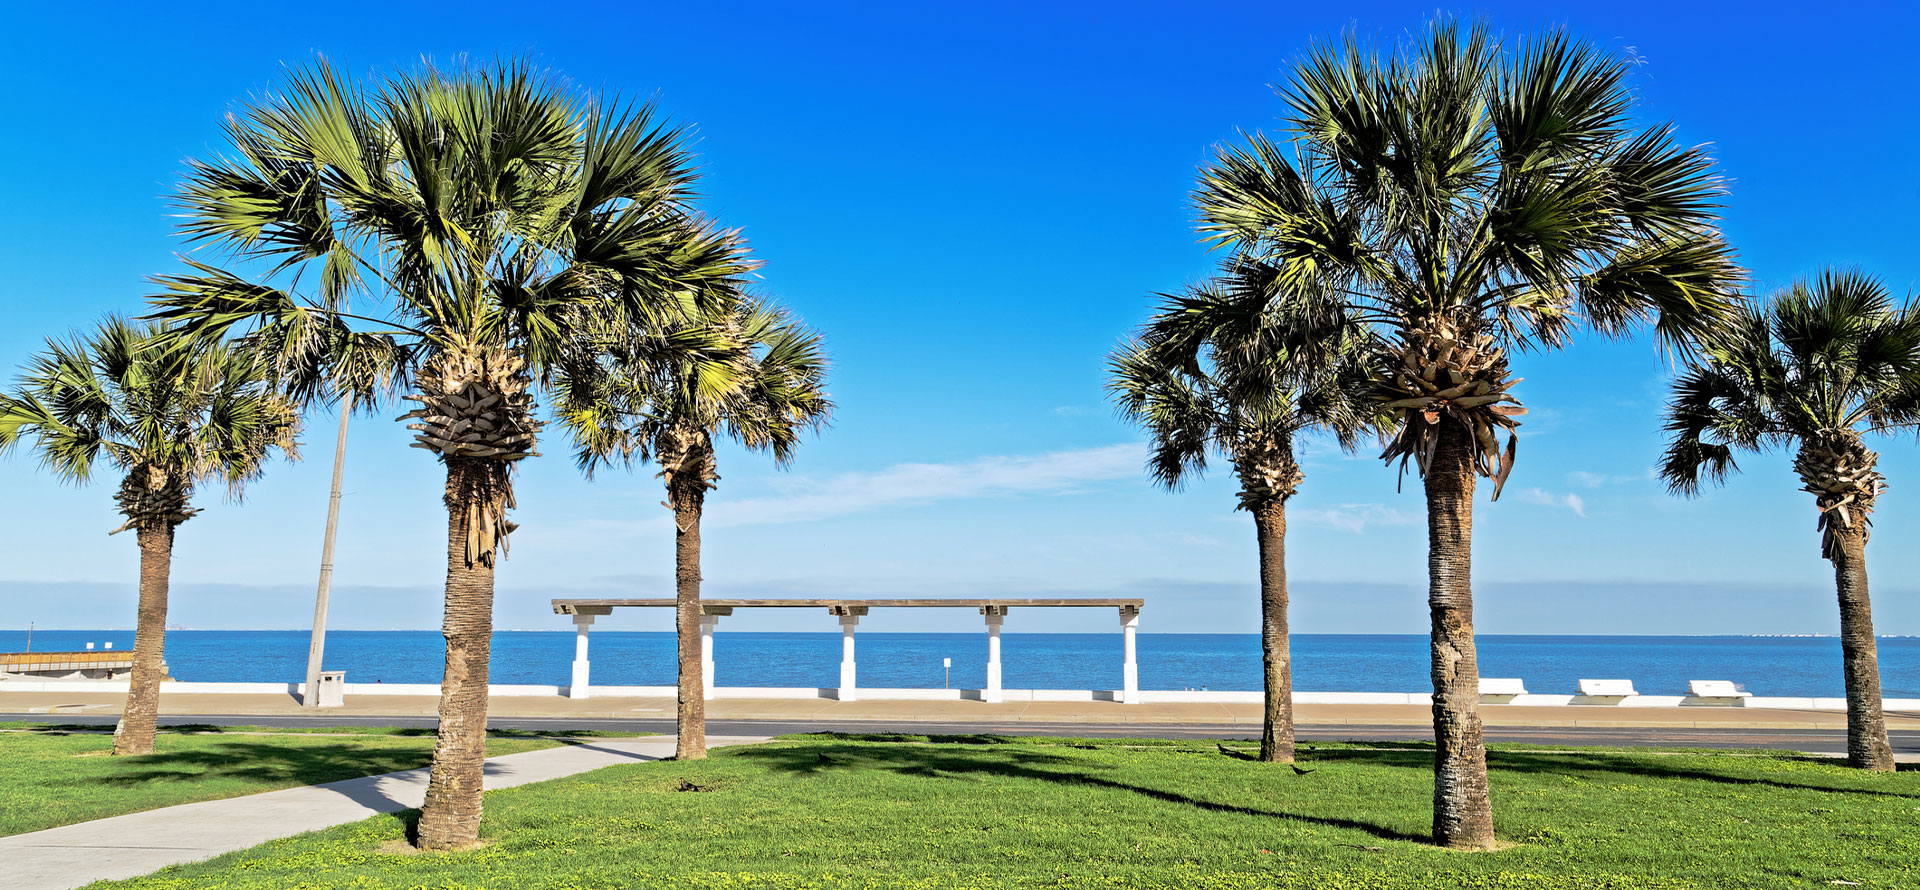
[(804, 711), (141, 843)]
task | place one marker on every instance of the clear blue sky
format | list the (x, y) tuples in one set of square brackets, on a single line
[(973, 202)]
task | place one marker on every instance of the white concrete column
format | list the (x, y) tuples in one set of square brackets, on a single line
[(1130, 667), (993, 692), (849, 689), (707, 624), (578, 687)]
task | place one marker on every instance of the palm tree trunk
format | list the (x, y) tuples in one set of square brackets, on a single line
[(134, 735), (1462, 807), (1276, 736), (1867, 745), (317, 644), (451, 817), (692, 722)]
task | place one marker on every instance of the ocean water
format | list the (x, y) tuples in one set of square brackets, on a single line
[(1799, 666)]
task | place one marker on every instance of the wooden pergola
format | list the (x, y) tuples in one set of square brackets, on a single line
[(850, 611)]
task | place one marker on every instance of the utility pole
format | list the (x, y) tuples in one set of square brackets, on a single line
[(29, 636), (317, 647)]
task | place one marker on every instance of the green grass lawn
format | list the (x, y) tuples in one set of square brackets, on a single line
[(987, 812), (54, 777)]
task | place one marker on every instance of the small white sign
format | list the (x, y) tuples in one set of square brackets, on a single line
[(946, 662)]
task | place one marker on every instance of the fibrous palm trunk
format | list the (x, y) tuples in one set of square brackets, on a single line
[(688, 501), (135, 733), (477, 414), (1462, 806), (1867, 744), (451, 817), (1276, 736), (1838, 469)]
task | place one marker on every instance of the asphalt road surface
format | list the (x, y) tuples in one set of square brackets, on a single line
[(1821, 741)]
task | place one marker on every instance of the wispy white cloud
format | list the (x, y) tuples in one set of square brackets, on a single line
[(1546, 498), (1588, 479), (1351, 517), (900, 485), (1319, 450)]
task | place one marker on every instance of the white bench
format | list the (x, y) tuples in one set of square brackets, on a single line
[(1607, 688), (1715, 689), (1500, 690)]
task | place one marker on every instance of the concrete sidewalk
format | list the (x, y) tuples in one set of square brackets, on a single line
[(802, 712), (141, 843)]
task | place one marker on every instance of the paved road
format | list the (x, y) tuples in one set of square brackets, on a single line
[(1824, 741)]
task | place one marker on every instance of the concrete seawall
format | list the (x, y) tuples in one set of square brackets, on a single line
[(762, 693)]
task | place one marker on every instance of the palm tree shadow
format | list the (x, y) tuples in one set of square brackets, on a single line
[(1590, 764), (364, 776), (261, 763), (940, 763), (274, 763), (1419, 755)]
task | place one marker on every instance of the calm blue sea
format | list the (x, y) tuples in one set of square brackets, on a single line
[(1322, 662)]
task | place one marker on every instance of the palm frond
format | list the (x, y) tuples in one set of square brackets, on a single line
[(451, 209), (153, 404), (1243, 365), (1823, 360), (1465, 195)]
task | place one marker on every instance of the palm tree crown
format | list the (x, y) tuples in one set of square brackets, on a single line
[(1470, 201), (1821, 364), (477, 214), (750, 372), (1202, 378), (167, 414)]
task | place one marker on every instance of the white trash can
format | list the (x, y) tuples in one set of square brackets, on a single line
[(333, 689)]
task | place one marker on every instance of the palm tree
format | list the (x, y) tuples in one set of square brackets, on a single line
[(654, 398), (1815, 369), (1468, 198), (1201, 382), (168, 415), (474, 215)]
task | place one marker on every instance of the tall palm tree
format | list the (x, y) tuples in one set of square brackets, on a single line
[(1200, 379), (668, 404), (473, 215), (1818, 367), (168, 415), (1469, 197)]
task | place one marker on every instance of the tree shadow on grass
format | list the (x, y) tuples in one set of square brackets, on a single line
[(1019, 764), (560, 736), (306, 764), (978, 738), (1589, 765), (260, 763)]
